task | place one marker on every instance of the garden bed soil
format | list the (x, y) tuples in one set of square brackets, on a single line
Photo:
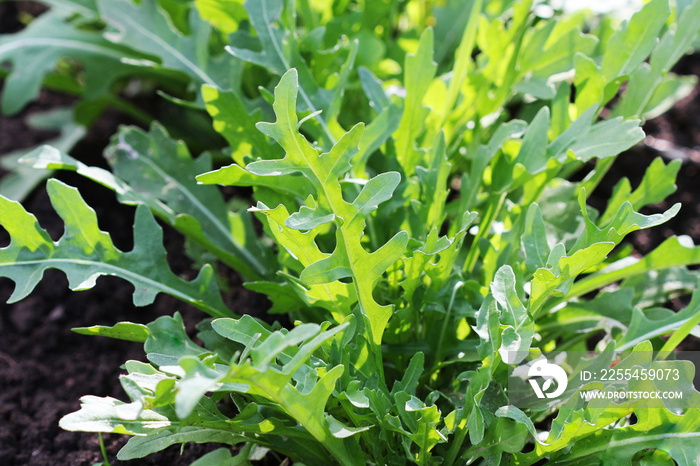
[(45, 368)]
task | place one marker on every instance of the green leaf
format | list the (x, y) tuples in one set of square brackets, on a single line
[(534, 239), (86, 8), (607, 139), (122, 331), (455, 28), (85, 252), (606, 311), (504, 436), (160, 168), (671, 90), (349, 259), (533, 152), (634, 40), (588, 423), (625, 221), (652, 89), (154, 170), (241, 330), (589, 83), (655, 429), (433, 183), (278, 52), (220, 457), (409, 381), (140, 447), (168, 341), (235, 120), (655, 287), (198, 379), (373, 89), (488, 328), (422, 421), (256, 377), (518, 326), (336, 297), (21, 180), (376, 133), (146, 27), (235, 175), (108, 415), (275, 54), (309, 218), (641, 327), (600, 414), (514, 413), (225, 15), (340, 430), (419, 71), (552, 48), (546, 281), (35, 51), (484, 155), (657, 183), (536, 87), (674, 252)]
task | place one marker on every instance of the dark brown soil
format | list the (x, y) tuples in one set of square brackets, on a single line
[(44, 367)]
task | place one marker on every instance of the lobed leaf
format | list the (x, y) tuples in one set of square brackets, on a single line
[(673, 252), (152, 169), (108, 415), (655, 429), (349, 259), (419, 72), (84, 252), (518, 325), (140, 447)]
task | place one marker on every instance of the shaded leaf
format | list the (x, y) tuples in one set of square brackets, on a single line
[(35, 51)]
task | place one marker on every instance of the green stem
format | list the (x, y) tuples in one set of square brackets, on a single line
[(130, 109), (572, 341), (336, 447), (678, 336), (596, 176), (456, 445), (445, 322), (468, 196), (103, 450), (492, 210)]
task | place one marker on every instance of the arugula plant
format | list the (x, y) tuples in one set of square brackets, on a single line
[(427, 232)]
